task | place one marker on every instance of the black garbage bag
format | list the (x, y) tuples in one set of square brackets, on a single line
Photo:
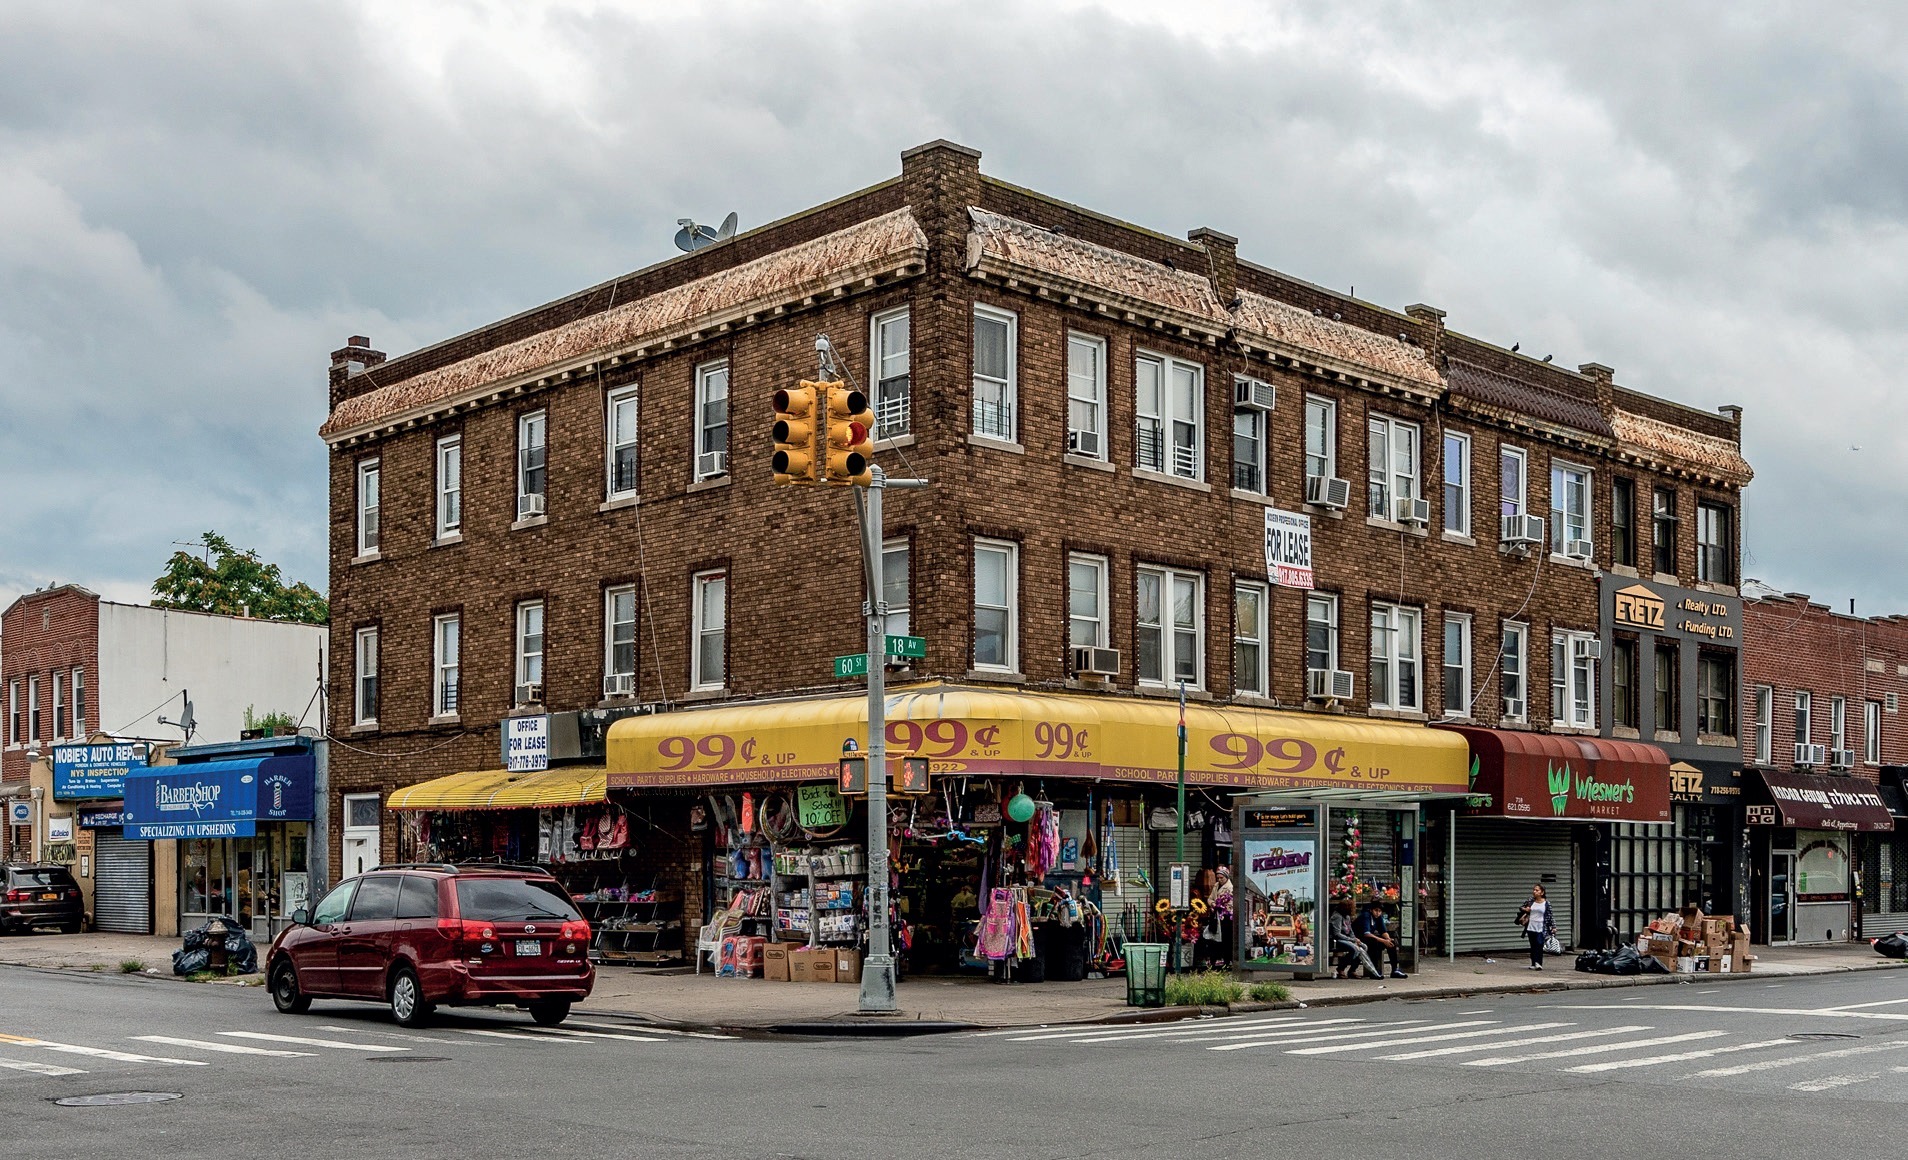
[(195, 938), (1892, 946), (1592, 961), (1653, 965), (241, 957), (1625, 961), (186, 962)]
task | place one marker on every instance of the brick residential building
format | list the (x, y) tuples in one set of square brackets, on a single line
[(570, 512)]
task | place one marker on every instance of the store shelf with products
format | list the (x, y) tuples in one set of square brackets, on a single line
[(634, 927)]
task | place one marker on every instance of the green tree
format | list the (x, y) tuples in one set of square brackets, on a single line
[(235, 582)]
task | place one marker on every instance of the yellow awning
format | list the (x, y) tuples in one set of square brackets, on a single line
[(983, 732), (498, 789)]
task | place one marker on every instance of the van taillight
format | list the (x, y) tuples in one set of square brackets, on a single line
[(472, 936), (577, 931)]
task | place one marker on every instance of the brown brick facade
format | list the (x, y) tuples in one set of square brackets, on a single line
[(45, 633), (1791, 644)]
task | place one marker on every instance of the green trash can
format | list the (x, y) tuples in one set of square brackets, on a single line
[(1145, 974)]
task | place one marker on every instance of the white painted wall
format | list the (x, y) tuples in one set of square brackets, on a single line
[(148, 655)]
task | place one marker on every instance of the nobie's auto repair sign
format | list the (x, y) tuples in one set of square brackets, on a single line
[(1288, 548)]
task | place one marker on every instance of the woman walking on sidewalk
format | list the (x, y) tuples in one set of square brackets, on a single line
[(1539, 921)]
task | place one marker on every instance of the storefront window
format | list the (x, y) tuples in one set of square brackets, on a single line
[(1821, 867)]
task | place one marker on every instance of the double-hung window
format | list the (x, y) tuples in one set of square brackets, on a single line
[(1623, 704), (1804, 717), (79, 704), (1248, 450), (1668, 687), (33, 709), (1513, 481), (533, 474), (13, 712), (1513, 668), (1086, 396), (1871, 732), (59, 708), (446, 649), (619, 641), (1170, 405), (1396, 657), (1321, 632), (529, 677), (1663, 530), (1457, 665), (450, 485), (996, 342), (1838, 718), (1251, 647), (896, 585), (1623, 522), (1321, 438), (364, 704), (1457, 483), (1570, 510), (1392, 470), (1716, 694), (1573, 680), (712, 419), (1086, 601), (711, 591), (1765, 724), (888, 355), (996, 605), (1170, 609), (621, 413), (368, 507), (1713, 555)]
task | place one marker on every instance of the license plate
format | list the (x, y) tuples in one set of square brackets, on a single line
[(528, 948), (49, 898)]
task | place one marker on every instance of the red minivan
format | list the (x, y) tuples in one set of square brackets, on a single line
[(430, 934)]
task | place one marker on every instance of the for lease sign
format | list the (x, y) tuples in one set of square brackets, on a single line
[(1288, 548)]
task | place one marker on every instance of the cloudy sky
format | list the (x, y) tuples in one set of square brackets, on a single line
[(198, 201)]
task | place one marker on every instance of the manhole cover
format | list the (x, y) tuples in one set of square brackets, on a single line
[(407, 1059), (115, 1099), (1822, 1035)]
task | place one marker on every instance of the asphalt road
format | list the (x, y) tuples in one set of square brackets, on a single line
[(1738, 1070)]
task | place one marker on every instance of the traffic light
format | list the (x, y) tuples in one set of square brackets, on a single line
[(850, 451), (854, 776), (795, 429)]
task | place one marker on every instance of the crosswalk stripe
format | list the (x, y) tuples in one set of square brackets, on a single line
[(386, 1034), (39, 1068), (1772, 1064), (1144, 1030), (1181, 1035), (1300, 1028), (1599, 1049), (601, 1035), (98, 1052), (521, 1036), (1833, 1081), (228, 1048), (1467, 1048), (648, 1030), (1715, 1009), (1056, 1027), (307, 1041), (1329, 1034), (1335, 1048), (1676, 1057)]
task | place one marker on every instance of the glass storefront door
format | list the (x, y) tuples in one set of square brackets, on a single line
[(241, 877), (1781, 897)]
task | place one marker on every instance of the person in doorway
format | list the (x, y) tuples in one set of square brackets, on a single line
[(1348, 954), (1374, 933), (1539, 920)]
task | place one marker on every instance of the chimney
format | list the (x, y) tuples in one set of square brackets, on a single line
[(941, 179), (1734, 414), (1429, 332), (1604, 380), (1222, 259), (350, 361)]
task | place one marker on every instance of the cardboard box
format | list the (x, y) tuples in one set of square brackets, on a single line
[(1739, 955), (847, 966), (1718, 929), (800, 966), (821, 965), (775, 962)]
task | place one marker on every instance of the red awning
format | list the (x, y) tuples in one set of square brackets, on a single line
[(1552, 777), (1815, 801)]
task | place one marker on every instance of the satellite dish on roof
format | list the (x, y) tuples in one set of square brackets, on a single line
[(692, 237), (728, 227)]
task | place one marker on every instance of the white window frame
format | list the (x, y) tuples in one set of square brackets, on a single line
[(1403, 635), (1260, 426), (447, 648), (1174, 432), (369, 496), (1259, 682), (897, 580), (1871, 732), (364, 676), (618, 404), (1561, 517), (891, 373), (1010, 644), (709, 434), (1172, 634), (528, 667), (701, 585), (1461, 507), (1086, 395), (1386, 482), (1515, 674), (77, 693), (1098, 621), (1517, 504), (533, 456), (1838, 718), (1765, 724), (33, 708), (13, 712), (1462, 622), (610, 624), (1573, 682), (1328, 602), (1004, 426), (1321, 437), (1804, 717), (59, 706), (450, 486)]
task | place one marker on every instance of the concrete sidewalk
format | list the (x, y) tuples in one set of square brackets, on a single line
[(704, 1001)]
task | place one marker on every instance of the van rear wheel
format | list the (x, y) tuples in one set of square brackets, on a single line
[(407, 999), (550, 1012)]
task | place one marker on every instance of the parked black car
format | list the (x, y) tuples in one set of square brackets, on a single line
[(39, 895)]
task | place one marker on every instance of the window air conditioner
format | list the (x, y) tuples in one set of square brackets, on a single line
[(1412, 511), (1578, 549), (712, 463), (1842, 758), (619, 685), (1520, 530), (1328, 492), (1084, 443), (1806, 754), (1514, 708), (530, 504), (529, 694), (1328, 685), (1586, 648), (1253, 394), (1098, 662)]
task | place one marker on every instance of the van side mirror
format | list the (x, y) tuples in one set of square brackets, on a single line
[(301, 917)]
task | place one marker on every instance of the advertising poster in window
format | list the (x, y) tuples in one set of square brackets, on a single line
[(1279, 862), (1288, 548)]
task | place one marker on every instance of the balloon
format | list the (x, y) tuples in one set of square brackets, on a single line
[(1020, 807)]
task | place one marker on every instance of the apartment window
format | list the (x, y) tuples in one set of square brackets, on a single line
[(529, 652), (621, 415), (1086, 396), (1457, 666), (1321, 631), (365, 694), (896, 587), (446, 647), (1457, 483), (367, 507), (1623, 702), (1804, 713), (450, 485), (1838, 717), (1713, 555), (1623, 522), (1765, 723), (996, 342), (711, 629), (1513, 666), (59, 708), (532, 464), (1667, 684), (1171, 409), (13, 712), (1871, 732), (1573, 680), (1248, 450), (619, 641), (712, 420), (1716, 694), (888, 355), (1321, 438), (79, 703), (1086, 602), (1663, 530), (1393, 466), (996, 604), (1513, 481), (1569, 510), (1170, 607), (33, 709), (1250, 647), (1396, 665)]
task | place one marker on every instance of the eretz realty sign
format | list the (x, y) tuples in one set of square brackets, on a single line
[(1671, 611)]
